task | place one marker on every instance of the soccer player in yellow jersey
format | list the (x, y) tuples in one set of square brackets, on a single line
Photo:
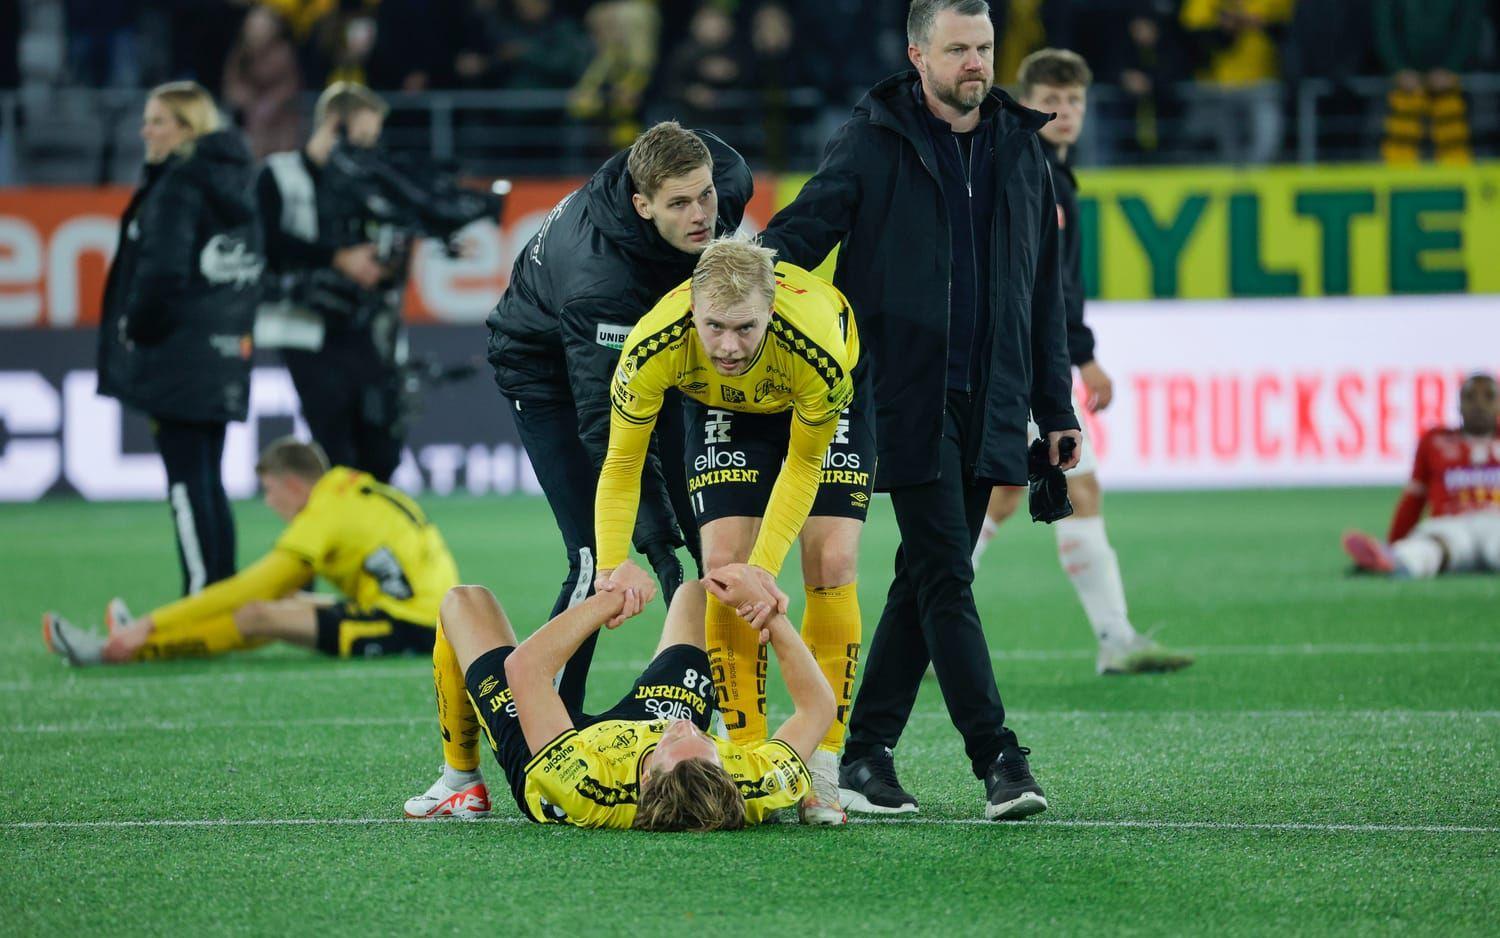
[(766, 354), (648, 762), (368, 539)]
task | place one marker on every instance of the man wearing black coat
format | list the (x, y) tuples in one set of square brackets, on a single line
[(938, 196), (604, 256)]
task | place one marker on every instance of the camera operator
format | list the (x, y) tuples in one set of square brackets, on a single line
[(338, 322), (179, 308)]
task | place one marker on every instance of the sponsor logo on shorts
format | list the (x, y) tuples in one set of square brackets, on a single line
[(731, 395), (611, 336), (488, 685), (859, 500)]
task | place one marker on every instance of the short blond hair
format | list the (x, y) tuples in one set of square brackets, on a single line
[(694, 795), (666, 151), (291, 456), (191, 106), (731, 269), (1056, 68), (345, 99)]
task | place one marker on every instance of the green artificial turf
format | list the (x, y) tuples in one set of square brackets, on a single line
[(1331, 764)]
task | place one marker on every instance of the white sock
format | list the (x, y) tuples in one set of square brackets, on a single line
[(459, 780), (1422, 557), (1085, 554), (986, 534)]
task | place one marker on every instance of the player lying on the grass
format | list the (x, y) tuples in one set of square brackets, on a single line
[(776, 452), (1056, 81), (1456, 476), (368, 539), (647, 762)]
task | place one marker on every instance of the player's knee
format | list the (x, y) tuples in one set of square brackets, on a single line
[(251, 618), (832, 564), (1003, 502), (464, 604), (720, 555), (1085, 494)]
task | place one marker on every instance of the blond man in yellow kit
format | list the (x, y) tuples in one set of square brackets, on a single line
[(765, 353)]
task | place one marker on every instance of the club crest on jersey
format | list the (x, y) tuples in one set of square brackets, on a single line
[(731, 395)]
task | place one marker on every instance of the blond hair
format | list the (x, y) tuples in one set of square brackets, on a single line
[(694, 795), (291, 456), (191, 106), (730, 270), (664, 152), (345, 99)]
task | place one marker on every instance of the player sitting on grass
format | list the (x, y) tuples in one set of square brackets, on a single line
[(647, 762), (368, 539), (1457, 475)]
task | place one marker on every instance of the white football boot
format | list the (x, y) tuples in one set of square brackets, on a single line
[(821, 806), (117, 616), (440, 801), (79, 647)]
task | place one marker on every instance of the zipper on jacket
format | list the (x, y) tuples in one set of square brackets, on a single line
[(973, 264)]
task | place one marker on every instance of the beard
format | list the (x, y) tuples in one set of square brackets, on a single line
[(964, 99)]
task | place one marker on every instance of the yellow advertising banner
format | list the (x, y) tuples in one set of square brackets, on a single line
[(1170, 233)]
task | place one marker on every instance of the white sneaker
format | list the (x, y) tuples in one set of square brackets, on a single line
[(117, 616), (64, 639), (440, 801), (1141, 654), (821, 806)]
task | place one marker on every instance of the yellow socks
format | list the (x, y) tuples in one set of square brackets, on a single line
[(739, 669), (456, 717), (203, 638), (831, 628)]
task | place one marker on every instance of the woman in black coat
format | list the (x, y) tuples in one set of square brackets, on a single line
[(179, 307)]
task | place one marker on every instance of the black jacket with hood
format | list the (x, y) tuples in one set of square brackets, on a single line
[(581, 283), (180, 298), (878, 198)]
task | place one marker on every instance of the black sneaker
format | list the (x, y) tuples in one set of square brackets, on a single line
[(1012, 792), (869, 786)]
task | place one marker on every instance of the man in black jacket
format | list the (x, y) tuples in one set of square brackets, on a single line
[(939, 197), (340, 328), (604, 256), (1056, 81)]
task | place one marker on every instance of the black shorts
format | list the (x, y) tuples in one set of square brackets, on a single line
[(680, 666), (349, 631), (733, 460)]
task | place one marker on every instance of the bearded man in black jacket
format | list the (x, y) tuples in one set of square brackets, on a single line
[(604, 256), (938, 196)]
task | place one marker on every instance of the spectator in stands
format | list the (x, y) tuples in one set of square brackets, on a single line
[(1136, 46), (625, 36), (262, 81), (1239, 39), (776, 69), (523, 45), (416, 42), (102, 42), (1423, 45), (705, 71), (1331, 40), (340, 44), (301, 16), (1024, 26)]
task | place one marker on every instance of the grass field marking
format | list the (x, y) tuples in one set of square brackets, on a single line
[(170, 725), (417, 665), (1126, 824)]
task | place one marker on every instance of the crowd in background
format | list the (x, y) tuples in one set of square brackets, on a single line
[(617, 64)]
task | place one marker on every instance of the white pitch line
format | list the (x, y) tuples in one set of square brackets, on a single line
[(112, 680), (168, 725), (1123, 824)]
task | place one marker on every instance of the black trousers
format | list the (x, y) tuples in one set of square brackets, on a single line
[(202, 519), (348, 398), (930, 615), (548, 427)]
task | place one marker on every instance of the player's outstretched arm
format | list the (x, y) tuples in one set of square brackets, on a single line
[(277, 574), (531, 668)]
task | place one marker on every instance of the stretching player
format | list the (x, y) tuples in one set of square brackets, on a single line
[(1457, 476), (647, 762), (368, 539), (1056, 81), (764, 353)]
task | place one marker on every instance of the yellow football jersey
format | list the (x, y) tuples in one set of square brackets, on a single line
[(590, 777), (804, 364), (372, 542)]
